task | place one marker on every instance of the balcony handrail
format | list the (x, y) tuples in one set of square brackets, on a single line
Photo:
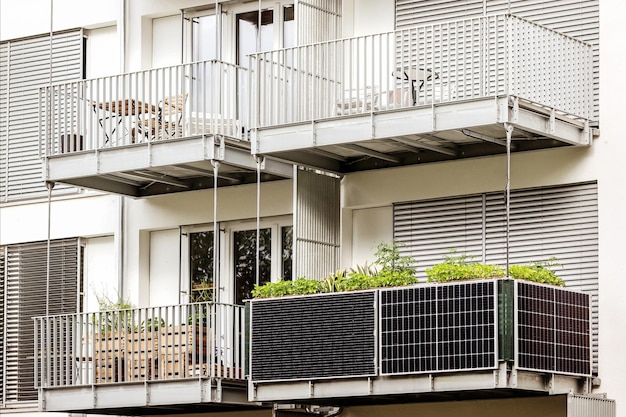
[(452, 61), (191, 99), (140, 345)]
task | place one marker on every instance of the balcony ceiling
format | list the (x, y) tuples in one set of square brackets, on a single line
[(440, 132), (161, 167)]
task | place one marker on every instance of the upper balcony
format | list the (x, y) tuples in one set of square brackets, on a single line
[(429, 93), (152, 132), (182, 358)]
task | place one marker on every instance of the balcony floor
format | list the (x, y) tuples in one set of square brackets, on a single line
[(421, 134), (149, 398), (160, 167)]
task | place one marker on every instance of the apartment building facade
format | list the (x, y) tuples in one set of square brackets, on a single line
[(157, 159)]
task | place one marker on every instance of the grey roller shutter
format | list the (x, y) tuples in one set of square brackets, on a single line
[(318, 20), (26, 67), (559, 222), (316, 224), (26, 284), (2, 324), (577, 18)]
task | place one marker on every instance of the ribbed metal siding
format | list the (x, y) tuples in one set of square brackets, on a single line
[(26, 298), (586, 406), (557, 221), (439, 328), (301, 338), (576, 18), (26, 68), (318, 20), (316, 224)]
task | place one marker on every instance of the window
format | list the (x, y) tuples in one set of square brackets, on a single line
[(201, 246), (26, 284), (237, 275)]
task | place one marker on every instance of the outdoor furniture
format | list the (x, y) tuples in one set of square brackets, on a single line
[(114, 114)]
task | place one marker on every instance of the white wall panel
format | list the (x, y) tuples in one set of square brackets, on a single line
[(164, 267)]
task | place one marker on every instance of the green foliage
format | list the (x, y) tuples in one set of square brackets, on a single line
[(461, 267), (114, 315), (538, 271), (395, 270)]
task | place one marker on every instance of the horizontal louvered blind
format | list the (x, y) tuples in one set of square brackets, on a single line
[(2, 329), (577, 18), (559, 222), (26, 67), (26, 298)]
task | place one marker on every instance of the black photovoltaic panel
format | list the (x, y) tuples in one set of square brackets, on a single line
[(297, 338), (438, 328), (553, 330)]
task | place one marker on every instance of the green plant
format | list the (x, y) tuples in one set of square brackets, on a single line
[(460, 267), (395, 270), (538, 271), (114, 314)]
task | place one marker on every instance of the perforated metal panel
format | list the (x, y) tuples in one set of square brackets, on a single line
[(320, 336), (439, 328), (553, 330)]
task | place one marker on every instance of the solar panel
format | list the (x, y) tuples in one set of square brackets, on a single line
[(553, 330), (438, 328), (322, 336)]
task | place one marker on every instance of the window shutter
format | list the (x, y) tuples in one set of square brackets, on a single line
[(560, 221), (26, 298), (427, 230), (316, 224), (2, 324), (25, 68)]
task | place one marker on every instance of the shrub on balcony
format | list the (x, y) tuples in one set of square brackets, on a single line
[(395, 270), (461, 268)]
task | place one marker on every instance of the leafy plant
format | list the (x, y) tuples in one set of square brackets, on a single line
[(114, 315), (538, 271), (461, 267), (395, 270)]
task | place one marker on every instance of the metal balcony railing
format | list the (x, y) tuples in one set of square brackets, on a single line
[(140, 345), (185, 100), (422, 66)]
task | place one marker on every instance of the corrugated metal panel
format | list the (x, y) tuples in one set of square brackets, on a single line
[(316, 224), (559, 222), (28, 68), (318, 20), (321, 336), (576, 18), (26, 298), (587, 406)]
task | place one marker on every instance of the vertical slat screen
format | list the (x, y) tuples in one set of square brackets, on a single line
[(576, 18), (316, 224), (26, 298), (25, 68), (560, 222), (318, 20)]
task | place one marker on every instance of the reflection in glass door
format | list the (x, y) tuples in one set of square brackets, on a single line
[(201, 266), (244, 256)]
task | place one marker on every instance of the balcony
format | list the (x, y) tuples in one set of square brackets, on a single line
[(466, 340), (429, 93), (151, 132), (182, 358)]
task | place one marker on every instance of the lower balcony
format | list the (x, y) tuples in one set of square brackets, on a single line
[(430, 93), (174, 359), (467, 340)]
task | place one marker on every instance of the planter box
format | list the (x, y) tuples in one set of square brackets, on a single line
[(424, 329)]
